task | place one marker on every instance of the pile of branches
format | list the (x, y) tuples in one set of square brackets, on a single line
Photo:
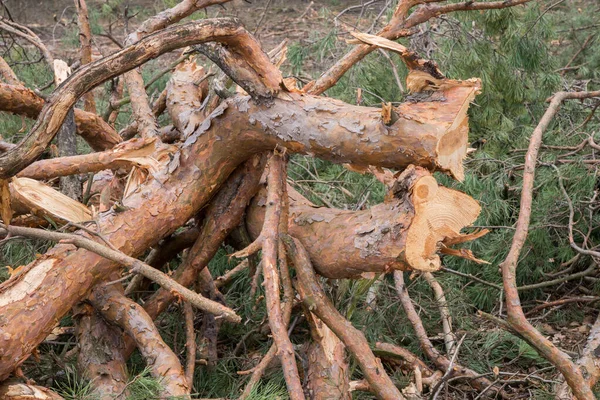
[(219, 173)]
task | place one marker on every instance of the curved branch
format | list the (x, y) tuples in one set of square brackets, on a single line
[(316, 300), (130, 316), (516, 317)]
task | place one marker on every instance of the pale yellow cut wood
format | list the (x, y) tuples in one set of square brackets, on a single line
[(378, 41), (440, 213), (31, 196)]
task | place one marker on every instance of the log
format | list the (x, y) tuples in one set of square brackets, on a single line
[(403, 233)]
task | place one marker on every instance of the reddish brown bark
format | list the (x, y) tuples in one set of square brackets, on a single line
[(100, 354), (276, 182), (375, 244), (316, 300), (132, 318), (183, 185), (124, 155)]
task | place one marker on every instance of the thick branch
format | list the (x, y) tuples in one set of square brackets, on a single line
[(182, 184), (130, 316), (285, 350)]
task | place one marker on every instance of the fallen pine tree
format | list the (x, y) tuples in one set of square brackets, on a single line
[(209, 179)]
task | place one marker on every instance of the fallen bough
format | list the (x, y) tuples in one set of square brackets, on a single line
[(184, 182), (403, 233)]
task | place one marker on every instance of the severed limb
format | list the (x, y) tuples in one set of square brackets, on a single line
[(28, 196), (131, 317), (418, 216), (125, 155), (432, 353), (316, 300)]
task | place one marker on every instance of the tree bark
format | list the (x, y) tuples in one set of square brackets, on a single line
[(328, 375), (100, 354), (132, 318)]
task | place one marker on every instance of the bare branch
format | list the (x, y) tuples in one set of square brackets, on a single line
[(516, 317)]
